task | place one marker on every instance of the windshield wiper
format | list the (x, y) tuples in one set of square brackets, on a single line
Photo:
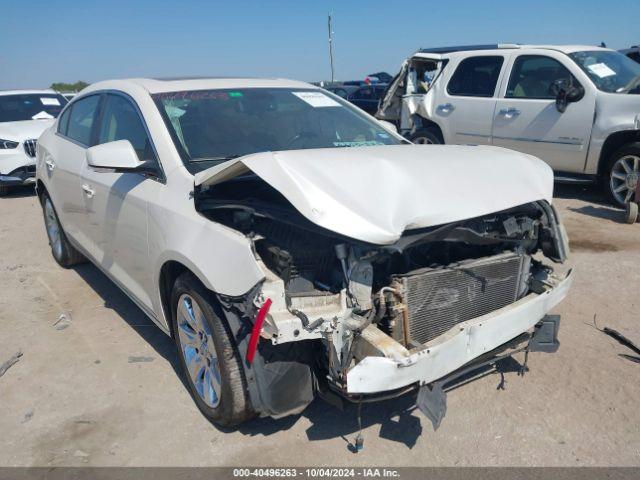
[(632, 85), (215, 159)]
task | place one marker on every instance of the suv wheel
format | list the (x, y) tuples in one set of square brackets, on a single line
[(63, 252), (208, 355), (624, 174), (426, 136)]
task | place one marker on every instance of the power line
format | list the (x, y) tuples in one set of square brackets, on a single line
[(333, 75)]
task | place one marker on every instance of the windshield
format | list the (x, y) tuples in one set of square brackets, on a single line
[(610, 71), (212, 126), (30, 106)]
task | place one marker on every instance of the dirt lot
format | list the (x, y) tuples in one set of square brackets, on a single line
[(98, 386)]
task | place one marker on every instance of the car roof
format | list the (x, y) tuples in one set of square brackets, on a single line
[(634, 48), (158, 85), (427, 52), (28, 92)]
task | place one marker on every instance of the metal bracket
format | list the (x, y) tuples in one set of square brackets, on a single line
[(545, 336), (432, 402)]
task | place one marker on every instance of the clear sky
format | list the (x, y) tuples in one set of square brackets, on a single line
[(46, 41)]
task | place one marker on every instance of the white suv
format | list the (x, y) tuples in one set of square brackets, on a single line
[(292, 245), (575, 107), (24, 115)]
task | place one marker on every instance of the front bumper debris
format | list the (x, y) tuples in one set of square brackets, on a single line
[(456, 348)]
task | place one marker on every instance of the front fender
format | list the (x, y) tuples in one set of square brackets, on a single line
[(220, 257)]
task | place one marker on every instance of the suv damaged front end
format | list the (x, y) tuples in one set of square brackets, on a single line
[(365, 318)]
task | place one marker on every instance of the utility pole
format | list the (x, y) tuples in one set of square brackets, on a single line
[(333, 76)]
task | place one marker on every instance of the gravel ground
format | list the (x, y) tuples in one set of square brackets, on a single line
[(97, 382)]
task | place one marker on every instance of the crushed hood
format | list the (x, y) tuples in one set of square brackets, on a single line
[(24, 130), (374, 194)]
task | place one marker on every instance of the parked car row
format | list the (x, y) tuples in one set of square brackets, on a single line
[(366, 97)]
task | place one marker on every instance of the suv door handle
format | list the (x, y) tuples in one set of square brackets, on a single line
[(50, 164), (446, 107), (509, 112), (88, 191)]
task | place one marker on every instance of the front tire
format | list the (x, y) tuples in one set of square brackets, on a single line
[(426, 136), (623, 172), (208, 355), (63, 252)]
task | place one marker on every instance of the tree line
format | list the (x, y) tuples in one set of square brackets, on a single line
[(69, 87)]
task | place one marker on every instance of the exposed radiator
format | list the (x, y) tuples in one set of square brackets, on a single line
[(437, 299), (30, 147)]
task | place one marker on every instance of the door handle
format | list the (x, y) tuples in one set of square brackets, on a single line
[(50, 164), (88, 191), (446, 107), (509, 112)]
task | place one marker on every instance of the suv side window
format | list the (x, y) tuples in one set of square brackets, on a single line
[(121, 121), (533, 75), (81, 119), (476, 77)]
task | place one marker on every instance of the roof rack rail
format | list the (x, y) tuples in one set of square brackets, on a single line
[(464, 48)]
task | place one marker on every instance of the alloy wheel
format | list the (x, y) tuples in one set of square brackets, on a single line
[(422, 141), (198, 350), (624, 178)]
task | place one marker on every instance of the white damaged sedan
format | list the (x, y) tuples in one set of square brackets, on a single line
[(294, 246)]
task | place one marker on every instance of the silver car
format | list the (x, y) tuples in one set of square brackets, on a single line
[(294, 246)]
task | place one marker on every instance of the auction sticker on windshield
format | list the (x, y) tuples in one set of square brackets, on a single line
[(601, 70), (49, 101), (316, 99)]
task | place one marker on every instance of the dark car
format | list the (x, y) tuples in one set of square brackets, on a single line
[(343, 91), (367, 97), (353, 83), (633, 53), (383, 77)]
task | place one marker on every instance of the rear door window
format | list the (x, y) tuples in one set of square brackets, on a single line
[(63, 123), (82, 118), (476, 77)]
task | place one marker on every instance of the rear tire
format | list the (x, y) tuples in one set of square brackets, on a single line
[(623, 171), (426, 136), (63, 252), (208, 354)]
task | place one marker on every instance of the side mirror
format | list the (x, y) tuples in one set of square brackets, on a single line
[(388, 126), (565, 93), (118, 156)]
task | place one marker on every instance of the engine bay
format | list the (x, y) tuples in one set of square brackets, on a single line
[(314, 263), (355, 300)]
